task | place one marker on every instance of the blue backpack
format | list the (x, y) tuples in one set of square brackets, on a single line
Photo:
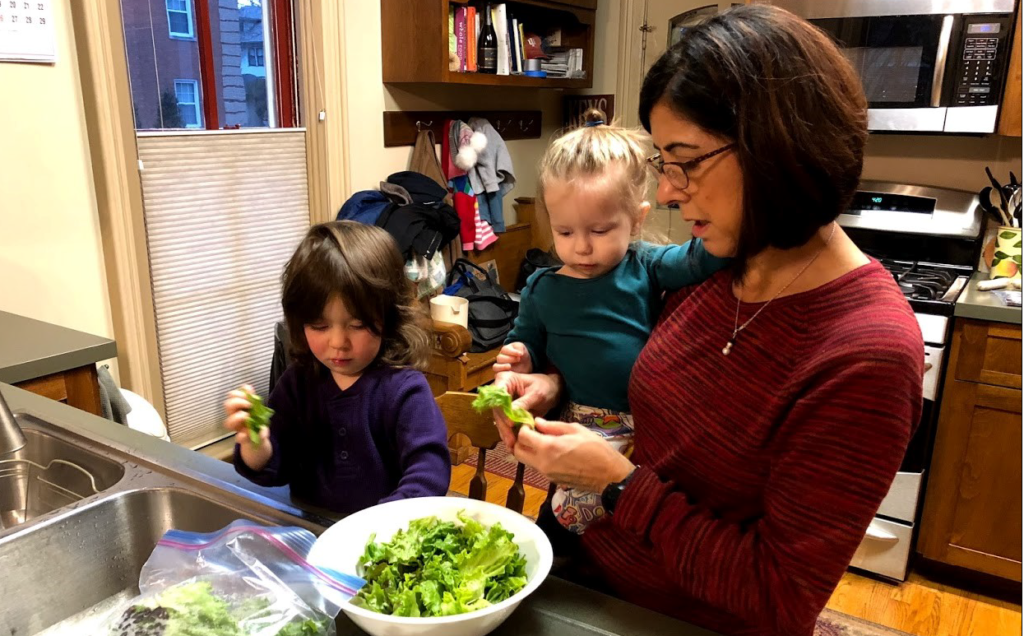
[(364, 206)]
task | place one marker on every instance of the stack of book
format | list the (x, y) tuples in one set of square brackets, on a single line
[(464, 23), (567, 63)]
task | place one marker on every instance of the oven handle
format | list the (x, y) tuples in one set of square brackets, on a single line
[(939, 77), (880, 534)]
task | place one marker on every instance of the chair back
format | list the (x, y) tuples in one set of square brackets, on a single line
[(462, 418)]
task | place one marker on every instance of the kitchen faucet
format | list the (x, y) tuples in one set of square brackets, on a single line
[(11, 437)]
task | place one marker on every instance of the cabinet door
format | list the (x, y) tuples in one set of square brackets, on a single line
[(990, 353), (1010, 116), (972, 514)]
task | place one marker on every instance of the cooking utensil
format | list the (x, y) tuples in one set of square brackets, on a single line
[(993, 209), (999, 189)]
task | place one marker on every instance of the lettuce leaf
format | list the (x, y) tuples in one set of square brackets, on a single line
[(440, 568), (259, 417), (490, 396)]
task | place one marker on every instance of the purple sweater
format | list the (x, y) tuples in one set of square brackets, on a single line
[(382, 439)]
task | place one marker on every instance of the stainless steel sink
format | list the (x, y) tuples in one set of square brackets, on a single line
[(91, 556), (50, 473)]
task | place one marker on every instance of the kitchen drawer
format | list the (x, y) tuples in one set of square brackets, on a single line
[(885, 549), (990, 353)]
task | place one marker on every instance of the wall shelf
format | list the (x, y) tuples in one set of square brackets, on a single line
[(414, 37)]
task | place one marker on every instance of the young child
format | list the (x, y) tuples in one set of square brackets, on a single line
[(591, 317), (355, 423)]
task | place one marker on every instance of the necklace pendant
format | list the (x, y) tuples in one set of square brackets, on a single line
[(728, 347)]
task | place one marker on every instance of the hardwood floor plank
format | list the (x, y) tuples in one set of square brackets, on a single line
[(924, 607)]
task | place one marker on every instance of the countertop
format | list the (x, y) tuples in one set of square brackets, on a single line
[(33, 348), (556, 608), (984, 305)]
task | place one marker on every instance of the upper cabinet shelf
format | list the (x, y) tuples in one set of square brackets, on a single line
[(414, 36)]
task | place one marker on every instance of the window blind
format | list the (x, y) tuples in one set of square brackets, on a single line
[(224, 212)]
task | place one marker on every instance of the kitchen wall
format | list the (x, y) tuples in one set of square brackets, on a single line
[(51, 260), (370, 162), (940, 160)]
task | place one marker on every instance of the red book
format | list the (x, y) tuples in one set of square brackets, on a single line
[(471, 37), (460, 37)]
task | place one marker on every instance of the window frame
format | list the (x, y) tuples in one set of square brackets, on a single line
[(195, 105), (189, 14), (259, 54)]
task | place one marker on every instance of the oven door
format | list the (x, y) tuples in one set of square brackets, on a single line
[(902, 64)]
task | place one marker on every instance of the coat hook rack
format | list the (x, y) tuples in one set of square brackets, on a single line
[(401, 127)]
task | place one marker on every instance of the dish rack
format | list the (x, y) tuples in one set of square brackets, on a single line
[(29, 489)]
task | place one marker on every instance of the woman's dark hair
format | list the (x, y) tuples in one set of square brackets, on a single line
[(360, 264), (785, 94)]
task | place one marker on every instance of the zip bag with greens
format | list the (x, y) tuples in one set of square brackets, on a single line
[(244, 580), (440, 568)]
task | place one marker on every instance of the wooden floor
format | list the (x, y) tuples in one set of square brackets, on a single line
[(919, 606)]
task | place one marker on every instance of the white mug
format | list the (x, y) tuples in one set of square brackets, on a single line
[(450, 309)]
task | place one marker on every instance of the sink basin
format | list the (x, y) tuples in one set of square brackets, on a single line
[(29, 490), (70, 570)]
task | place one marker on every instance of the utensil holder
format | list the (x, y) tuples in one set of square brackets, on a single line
[(1006, 261)]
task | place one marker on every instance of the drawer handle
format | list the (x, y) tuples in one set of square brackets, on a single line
[(878, 533)]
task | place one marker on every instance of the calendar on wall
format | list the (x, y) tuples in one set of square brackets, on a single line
[(26, 31)]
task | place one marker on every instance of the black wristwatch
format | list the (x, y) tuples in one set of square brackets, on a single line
[(610, 496)]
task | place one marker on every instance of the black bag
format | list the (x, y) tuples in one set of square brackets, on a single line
[(492, 312), (535, 259)]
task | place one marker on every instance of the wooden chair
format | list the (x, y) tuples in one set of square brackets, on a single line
[(463, 419)]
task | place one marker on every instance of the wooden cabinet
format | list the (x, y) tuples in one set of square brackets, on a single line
[(972, 514), (1010, 116), (75, 387), (414, 40)]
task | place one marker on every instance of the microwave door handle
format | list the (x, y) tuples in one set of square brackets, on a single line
[(941, 55)]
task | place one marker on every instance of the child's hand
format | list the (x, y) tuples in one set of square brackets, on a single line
[(236, 408), (514, 357)]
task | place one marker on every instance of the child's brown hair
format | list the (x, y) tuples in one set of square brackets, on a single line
[(360, 264)]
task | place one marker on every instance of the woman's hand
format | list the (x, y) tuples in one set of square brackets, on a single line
[(536, 392), (572, 456), (236, 408), (514, 357)]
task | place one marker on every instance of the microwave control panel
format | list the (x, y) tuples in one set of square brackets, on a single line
[(983, 54)]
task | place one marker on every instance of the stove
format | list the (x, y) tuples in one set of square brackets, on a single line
[(930, 287), (929, 239)]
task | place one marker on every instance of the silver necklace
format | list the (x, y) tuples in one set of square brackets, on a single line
[(737, 327)]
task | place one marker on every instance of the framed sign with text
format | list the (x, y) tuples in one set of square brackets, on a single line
[(575, 106)]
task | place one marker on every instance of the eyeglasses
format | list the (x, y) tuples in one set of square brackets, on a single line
[(678, 173)]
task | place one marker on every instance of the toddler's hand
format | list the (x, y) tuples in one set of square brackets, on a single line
[(514, 357), (236, 409)]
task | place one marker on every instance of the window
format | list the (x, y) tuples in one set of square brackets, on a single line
[(255, 56), (187, 92), (180, 23), (239, 52)]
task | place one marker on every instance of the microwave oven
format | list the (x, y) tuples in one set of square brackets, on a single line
[(931, 66)]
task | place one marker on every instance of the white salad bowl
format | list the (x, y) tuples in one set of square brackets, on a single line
[(342, 545)]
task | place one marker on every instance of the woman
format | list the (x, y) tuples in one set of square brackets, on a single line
[(774, 403)]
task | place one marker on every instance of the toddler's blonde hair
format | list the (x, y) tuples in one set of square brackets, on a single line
[(598, 150)]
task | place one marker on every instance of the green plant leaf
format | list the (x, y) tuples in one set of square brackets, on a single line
[(1002, 256), (496, 397), (1019, 244), (1016, 259), (1008, 235)]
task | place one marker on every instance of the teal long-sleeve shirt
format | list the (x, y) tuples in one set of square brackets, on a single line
[(592, 330)]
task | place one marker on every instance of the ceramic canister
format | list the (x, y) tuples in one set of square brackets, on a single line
[(1007, 255)]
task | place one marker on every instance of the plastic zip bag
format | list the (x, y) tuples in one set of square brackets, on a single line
[(244, 580)]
